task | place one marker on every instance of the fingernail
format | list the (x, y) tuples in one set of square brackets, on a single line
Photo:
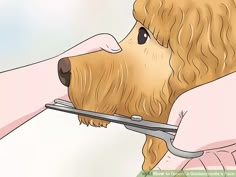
[(115, 48)]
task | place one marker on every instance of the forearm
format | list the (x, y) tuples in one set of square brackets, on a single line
[(25, 91)]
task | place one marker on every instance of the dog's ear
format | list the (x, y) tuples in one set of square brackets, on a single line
[(153, 150)]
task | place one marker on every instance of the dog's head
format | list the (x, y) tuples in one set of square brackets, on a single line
[(134, 81), (173, 47)]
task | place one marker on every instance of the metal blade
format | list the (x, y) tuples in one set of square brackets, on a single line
[(64, 102)]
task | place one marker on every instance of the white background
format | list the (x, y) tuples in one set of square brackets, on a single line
[(53, 144)]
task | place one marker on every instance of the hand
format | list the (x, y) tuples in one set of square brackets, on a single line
[(206, 117)]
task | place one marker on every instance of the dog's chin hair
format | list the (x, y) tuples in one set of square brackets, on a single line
[(93, 122)]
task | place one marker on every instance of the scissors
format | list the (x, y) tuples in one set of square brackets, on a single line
[(134, 123)]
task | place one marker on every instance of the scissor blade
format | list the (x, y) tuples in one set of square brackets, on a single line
[(115, 118), (64, 102)]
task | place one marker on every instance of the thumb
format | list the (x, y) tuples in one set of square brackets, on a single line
[(177, 112), (108, 43)]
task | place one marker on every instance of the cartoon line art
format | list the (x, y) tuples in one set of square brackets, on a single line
[(175, 68)]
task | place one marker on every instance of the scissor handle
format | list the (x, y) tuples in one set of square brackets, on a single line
[(168, 138), (179, 152)]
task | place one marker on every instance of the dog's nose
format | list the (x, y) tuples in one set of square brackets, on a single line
[(64, 68)]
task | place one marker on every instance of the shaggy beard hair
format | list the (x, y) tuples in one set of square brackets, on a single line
[(110, 90)]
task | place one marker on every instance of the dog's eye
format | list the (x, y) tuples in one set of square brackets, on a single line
[(142, 36)]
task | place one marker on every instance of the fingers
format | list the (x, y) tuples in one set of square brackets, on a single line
[(98, 42), (178, 112)]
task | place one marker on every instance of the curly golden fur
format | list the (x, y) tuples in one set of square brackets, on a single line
[(191, 43)]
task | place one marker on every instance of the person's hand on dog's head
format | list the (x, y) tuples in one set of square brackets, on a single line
[(103, 41)]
